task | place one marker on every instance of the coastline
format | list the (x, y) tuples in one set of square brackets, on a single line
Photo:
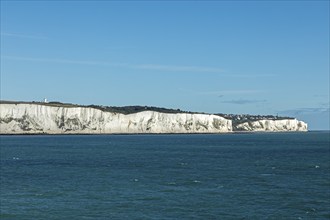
[(35, 118), (152, 134)]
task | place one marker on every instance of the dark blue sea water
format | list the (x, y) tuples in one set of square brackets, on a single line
[(229, 176)]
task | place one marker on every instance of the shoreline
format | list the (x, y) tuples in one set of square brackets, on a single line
[(126, 134)]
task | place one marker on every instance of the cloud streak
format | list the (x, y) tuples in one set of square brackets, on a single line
[(151, 67), (64, 61), (222, 93), (231, 92), (244, 101), (6, 34), (169, 68), (302, 111), (178, 68)]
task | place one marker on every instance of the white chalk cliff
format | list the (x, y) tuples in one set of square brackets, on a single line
[(272, 125), (34, 118), (23, 118)]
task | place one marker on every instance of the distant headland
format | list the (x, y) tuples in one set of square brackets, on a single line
[(66, 118)]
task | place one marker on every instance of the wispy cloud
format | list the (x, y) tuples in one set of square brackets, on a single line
[(178, 68), (231, 92), (321, 96), (222, 93), (169, 68), (154, 67), (244, 101), (250, 75), (324, 104), (64, 61), (133, 66), (36, 37), (303, 111)]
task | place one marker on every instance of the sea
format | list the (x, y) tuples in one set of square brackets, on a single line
[(196, 176)]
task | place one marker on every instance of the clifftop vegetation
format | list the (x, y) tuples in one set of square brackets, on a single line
[(237, 118)]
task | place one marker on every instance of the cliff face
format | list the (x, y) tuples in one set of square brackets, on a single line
[(37, 118), (272, 125), (34, 118)]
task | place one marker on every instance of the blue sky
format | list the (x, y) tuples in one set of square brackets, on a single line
[(249, 57)]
